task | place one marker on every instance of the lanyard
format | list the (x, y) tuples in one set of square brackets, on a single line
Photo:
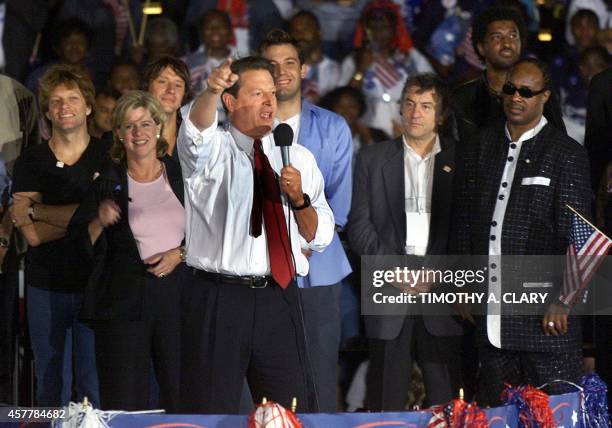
[(418, 193)]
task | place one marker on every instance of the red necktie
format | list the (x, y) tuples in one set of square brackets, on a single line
[(267, 201)]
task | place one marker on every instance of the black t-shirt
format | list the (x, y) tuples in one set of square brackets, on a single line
[(58, 265)]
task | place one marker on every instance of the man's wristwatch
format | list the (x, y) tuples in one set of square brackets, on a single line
[(183, 254), (4, 242), (306, 203)]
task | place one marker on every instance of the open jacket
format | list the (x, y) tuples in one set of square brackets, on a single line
[(377, 222), (114, 290), (536, 221)]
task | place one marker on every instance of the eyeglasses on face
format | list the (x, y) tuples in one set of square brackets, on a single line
[(510, 89)]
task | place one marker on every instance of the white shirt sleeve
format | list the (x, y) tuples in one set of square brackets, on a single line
[(421, 62), (325, 217), (194, 146), (347, 70)]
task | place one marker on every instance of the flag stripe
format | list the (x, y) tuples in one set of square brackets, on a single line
[(386, 73), (593, 241), (585, 253), (596, 247)]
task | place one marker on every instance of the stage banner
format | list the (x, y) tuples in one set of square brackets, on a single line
[(566, 410), (499, 417)]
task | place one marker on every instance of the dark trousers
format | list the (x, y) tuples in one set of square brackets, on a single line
[(499, 366), (322, 319), (231, 331), (391, 361), (125, 349), (9, 284), (603, 350)]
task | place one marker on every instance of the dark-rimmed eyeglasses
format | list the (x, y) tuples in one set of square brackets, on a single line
[(510, 89)]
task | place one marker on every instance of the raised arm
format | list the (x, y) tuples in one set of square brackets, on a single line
[(198, 128), (204, 108)]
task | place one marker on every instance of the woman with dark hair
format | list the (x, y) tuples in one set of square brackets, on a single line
[(384, 58), (71, 40), (132, 224), (168, 80), (350, 103), (217, 43)]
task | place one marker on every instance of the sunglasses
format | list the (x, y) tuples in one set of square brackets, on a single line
[(510, 89)]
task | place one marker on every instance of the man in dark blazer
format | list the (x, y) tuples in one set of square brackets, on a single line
[(512, 199), (401, 205), (598, 142), (598, 135)]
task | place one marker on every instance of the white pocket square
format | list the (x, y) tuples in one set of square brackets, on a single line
[(538, 284), (530, 181)]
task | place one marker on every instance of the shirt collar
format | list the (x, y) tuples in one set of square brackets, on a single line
[(245, 143), (437, 148), (529, 133)]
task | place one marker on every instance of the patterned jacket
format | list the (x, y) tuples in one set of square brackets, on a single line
[(536, 220)]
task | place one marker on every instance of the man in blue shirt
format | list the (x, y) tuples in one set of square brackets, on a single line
[(328, 137)]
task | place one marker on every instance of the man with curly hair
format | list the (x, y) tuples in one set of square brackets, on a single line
[(499, 36)]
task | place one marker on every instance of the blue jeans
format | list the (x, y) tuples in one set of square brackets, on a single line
[(62, 346)]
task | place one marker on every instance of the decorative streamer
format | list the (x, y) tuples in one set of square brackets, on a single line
[(458, 414), (83, 415), (532, 405), (594, 403), (272, 415)]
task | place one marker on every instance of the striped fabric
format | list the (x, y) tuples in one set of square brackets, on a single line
[(466, 50), (586, 251), (386, 73), (121, 22)]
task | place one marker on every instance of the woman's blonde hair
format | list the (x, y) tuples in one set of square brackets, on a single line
[(130, 101)]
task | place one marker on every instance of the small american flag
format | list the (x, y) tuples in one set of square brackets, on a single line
[(386, 73), (438, 418), (586, 251)]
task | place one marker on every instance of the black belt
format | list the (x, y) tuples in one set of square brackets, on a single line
[(249, 281)]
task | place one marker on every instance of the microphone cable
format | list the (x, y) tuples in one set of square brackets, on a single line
[(307, 367)]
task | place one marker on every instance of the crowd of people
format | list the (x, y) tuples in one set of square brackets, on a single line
[(176, 257)]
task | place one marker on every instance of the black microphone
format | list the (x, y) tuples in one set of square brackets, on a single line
[(283, 137)]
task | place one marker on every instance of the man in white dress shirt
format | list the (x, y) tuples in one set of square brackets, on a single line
[(241, 316), (401, 195)]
